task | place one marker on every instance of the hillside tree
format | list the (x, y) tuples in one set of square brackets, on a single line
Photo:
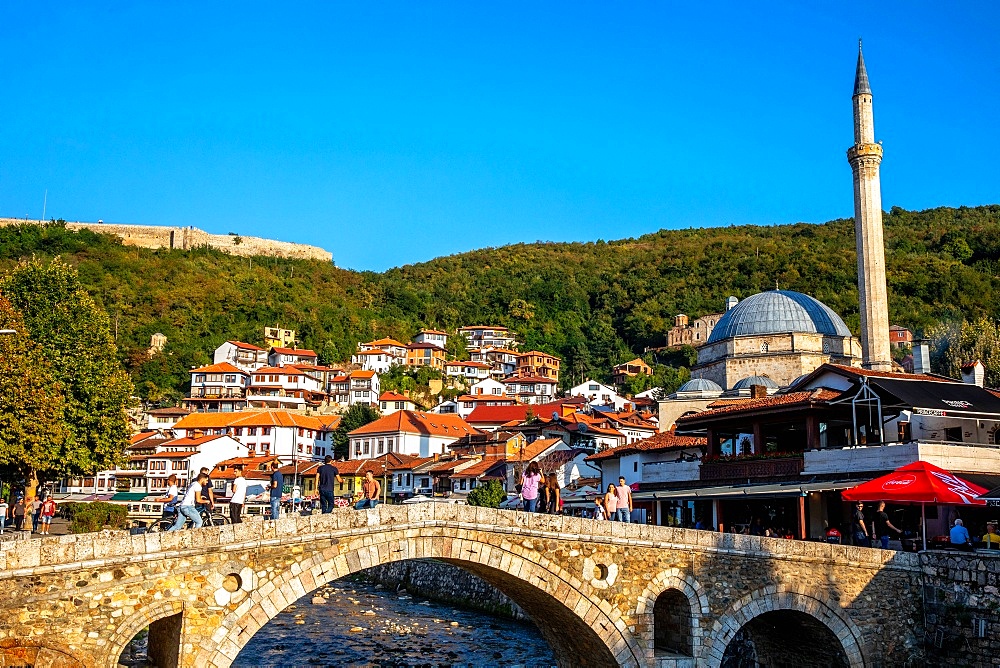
[(33, 430), (74, 336)]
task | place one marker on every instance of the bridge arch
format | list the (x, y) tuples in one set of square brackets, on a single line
[(645, 611), (150, 616), (582, 629), (770, 600)]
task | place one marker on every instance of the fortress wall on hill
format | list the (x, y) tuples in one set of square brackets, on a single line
[(186, 238)]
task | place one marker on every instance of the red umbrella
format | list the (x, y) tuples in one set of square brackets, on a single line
[(921, 483)]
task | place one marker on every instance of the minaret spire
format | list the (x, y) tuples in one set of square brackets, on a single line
[(861, 86), (865, 157)]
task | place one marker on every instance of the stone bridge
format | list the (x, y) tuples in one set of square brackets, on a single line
[(602, 593)]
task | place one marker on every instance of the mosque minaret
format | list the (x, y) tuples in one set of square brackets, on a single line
[(865, 157)]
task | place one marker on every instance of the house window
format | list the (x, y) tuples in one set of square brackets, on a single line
[(461, 484), (407, 479), (365, 448), (300, 447), (594, 388), (265, 431), (265, 448), (230, 379), (309, 449), (178, 466), (635, 467), (302, 432), (381, 446)]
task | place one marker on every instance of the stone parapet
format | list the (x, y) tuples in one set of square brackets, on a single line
[(187, 238)]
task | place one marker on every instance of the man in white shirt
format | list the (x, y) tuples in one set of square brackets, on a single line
[(239, 496), (187, 509), (4, 508)]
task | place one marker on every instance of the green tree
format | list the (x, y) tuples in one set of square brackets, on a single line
[(75, 337), (955, 344), (33, 430), (353, 418), (490, 495)]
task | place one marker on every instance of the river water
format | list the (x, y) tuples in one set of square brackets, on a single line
[(364, 624)]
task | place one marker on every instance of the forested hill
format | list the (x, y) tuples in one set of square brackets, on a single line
[(595, 304)]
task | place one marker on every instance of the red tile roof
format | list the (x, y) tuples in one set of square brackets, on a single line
[(819, 395), (173, 455), (432, 331), (280, 370), (529, 379), (481, 467), (299, 352), (221, 367), (276, 418), (388, 395), (192, 440), (857, 371), (501, 414), (245, 346), (251, 468), (666, 440), (418, 422), (362, 374)]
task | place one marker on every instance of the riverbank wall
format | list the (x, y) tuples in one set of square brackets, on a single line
[(439, 581)]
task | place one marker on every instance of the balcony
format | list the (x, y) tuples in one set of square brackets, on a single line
[(751, 469), (656, 472), (216, 393), (951, 456)]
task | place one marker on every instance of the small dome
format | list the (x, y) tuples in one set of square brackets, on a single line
[(797, 380), (700, 385), (776, 312), (745, 383)]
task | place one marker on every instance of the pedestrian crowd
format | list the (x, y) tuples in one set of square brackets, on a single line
[(40, 508)]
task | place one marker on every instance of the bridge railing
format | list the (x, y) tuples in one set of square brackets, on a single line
[(19, 558)]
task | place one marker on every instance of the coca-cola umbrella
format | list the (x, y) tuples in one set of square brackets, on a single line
[(921, 483)]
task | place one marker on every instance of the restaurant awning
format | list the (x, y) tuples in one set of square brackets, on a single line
[(957, 399), (129, 496), (776, 490)]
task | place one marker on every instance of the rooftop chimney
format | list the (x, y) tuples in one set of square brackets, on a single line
[(758, 391), (974, 373), (921, 358)]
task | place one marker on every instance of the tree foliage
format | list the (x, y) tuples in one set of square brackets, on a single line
[(955, 344), (354, 417), (33, 430), (593, 304), (489, 495), (74, 337)]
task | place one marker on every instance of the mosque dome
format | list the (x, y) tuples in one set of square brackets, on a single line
[(778, 312), (699, 385), (745, 383)]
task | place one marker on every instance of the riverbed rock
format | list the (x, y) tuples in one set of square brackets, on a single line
[(318, 600)]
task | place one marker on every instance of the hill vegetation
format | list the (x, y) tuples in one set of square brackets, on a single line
[(594, 304)]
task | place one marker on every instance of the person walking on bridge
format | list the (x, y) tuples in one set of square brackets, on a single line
[(529, 486), (277, 483), (611, 502), (239, 496), (624, 494), (328, 475)]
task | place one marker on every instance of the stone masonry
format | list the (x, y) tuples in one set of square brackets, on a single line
[(187, 238), (590, 586)]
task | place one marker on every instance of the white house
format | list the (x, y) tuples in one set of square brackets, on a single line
[(284, 387), (163, 419), (378, 360), (598, 394), (414, 433), (218, 387), (488, 387), (391, 346), (364, 388), (245, 356), (437, 337), (284, 356), (502, 362), (531, 389), (390, 402), (472, 372), (289, 436), (486, 336)]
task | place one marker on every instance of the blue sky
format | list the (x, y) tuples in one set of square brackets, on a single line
[(391, 133)]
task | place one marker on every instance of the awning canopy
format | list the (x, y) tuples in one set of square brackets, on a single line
[(957, 399), (776, 490), (129, 496)]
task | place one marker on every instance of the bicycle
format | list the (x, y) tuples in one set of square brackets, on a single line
[(208, 519)]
